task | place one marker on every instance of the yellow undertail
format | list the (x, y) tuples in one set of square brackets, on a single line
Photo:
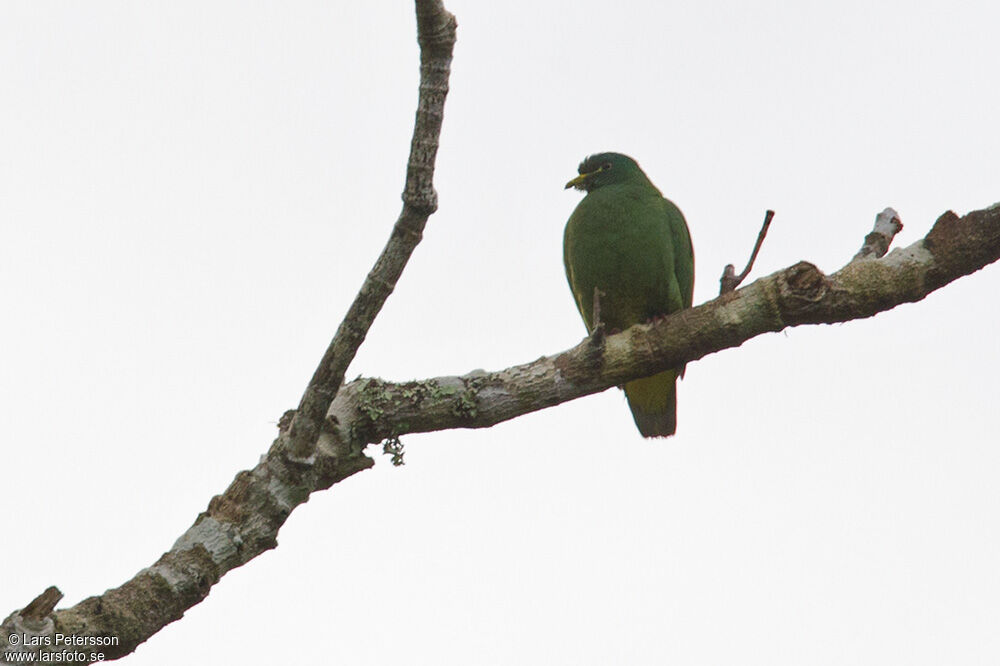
[(653, 401)]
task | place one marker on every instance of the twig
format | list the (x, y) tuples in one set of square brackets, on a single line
[(32, 625), (878, 240), (42, 605), (436, 35), (729, 280)]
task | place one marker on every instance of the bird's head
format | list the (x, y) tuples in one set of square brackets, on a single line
[(606, 169)]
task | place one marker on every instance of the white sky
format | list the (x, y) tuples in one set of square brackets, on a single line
[(191, 194)]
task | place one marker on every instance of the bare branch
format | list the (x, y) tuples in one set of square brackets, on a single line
[(42, 605), (243, 522), (877, 242), (323, 443), (372, 409), (436, 29), (729, 280)]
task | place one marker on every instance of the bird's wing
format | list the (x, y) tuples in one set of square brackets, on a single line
[(683, 252), (571, 277)]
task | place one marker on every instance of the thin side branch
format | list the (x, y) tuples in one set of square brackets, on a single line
[(729, 280), (42, 605), (877, 242), (436, 29)]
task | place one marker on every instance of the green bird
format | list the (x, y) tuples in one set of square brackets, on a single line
[(627, 251)]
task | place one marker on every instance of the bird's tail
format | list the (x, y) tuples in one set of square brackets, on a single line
[(653, 401)]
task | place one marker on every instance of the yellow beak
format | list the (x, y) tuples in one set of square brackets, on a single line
[(577, 182)]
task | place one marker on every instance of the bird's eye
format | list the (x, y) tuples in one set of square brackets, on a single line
[(606, 165)]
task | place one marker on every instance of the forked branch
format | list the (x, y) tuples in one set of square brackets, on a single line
[(243, 522), (324, 441), (436, 34), (730, 280)]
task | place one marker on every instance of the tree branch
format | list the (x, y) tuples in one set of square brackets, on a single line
[(730, 280), (328, 446), (369, 410), (436, 30), (877, 242), (243, 522)]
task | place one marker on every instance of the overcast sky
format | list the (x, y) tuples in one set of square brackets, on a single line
[(192, 192)]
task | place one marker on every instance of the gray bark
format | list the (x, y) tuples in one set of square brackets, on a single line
[(323, 441)]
